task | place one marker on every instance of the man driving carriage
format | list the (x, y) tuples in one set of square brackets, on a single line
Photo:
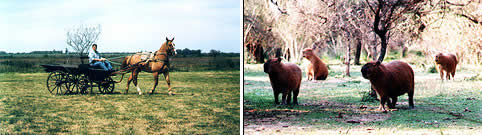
[(97, 61)]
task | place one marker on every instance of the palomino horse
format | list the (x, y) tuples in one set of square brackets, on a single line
[(160, 64)]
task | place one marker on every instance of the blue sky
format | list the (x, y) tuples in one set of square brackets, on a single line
[(127, 25)]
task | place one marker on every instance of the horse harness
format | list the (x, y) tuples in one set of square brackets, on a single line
[(165, 60), (149, 59)]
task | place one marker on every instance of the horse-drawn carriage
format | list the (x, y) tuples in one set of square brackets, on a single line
[(71, 79)]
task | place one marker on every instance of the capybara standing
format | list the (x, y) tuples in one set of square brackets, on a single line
[(316, 70), (447, 63), (285, 78), (390, 81)]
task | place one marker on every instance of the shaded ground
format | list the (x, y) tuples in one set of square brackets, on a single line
[(334, 106)]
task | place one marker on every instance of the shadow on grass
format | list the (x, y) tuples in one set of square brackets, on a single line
[(343, 110)]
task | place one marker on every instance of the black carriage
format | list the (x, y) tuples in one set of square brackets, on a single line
[(72, 79)]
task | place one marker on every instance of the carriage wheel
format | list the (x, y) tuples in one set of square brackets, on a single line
[(76, 84), (70, 83), (56, 83), (83, 83), (107, 86)]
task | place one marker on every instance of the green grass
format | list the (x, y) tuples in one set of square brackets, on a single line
[(439, 106), (206, 103)]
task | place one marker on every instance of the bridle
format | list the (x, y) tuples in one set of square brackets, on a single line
[(169, 52)]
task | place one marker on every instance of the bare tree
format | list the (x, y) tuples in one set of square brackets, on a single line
[(386, 15), (358, 52), (81, 37)]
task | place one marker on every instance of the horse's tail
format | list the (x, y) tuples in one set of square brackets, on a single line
[(124, 68), (126, 65), (120, 79)]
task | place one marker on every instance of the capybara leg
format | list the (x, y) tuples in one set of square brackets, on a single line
[(276, 95), (388, 102), (283, 98), (295, 95), (156, 80), (442, 74), (168, 81), (453, 74), (410, 99), (447, 75), (382, 103), (393, 103), (288, 100)]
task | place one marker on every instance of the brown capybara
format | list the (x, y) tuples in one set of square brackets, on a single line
[(285, 78), (316, 70), (447, 63), (390, 81)]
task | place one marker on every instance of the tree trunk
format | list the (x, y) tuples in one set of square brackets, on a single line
[(373, 52), (358, 52), (374, 47), (347, 60), (383, 50), (259, 56)]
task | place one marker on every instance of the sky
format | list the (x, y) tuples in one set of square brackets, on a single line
[(126, 25)]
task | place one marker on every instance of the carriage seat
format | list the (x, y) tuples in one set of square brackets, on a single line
[(84, 67)]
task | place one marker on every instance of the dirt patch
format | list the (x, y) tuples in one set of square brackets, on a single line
[(274, 121), (278, 119), (364, 118), (271, 115)]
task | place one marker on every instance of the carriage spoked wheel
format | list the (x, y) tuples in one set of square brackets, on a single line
[(107, 85), (56, 83), (83, 84), (70, 81), (77, 83)]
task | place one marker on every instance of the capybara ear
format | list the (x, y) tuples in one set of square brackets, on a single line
[(377, 63)]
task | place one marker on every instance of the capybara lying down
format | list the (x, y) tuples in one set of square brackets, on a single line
[(285, 78), (390, 81), (447, 63), (316, 70)]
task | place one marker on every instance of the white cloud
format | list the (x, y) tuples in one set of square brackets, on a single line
[(126, 25)]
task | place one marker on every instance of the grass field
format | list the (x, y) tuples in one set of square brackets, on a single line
[(206, 102), (335, 106)]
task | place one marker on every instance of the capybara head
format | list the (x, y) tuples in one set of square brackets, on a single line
[(307, 52), (437, 57), (370, 69), (273, 62)]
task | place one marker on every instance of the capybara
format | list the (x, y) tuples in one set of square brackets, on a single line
[(316, 70), (390, 81), (447, 63), (285, 78)]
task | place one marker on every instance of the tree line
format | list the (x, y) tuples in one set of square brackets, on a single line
[(346, 28)]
